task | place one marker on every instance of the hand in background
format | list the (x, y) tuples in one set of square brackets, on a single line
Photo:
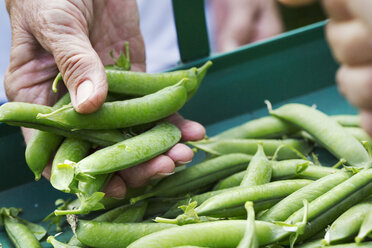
[(75, 37), (349, 33), (240, 22)]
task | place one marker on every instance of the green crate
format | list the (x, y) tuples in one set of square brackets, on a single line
[(296, 66)]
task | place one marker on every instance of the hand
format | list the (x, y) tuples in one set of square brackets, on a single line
[(349, 33), (240, 22), (75, 37)]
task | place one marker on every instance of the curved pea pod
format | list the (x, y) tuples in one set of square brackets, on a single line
[(224, 233), (238, 196), (198, 175), (250, 239), (130, 152), (325, 209), (122, 214), (121, 114), (286, 169), (72, 150), (261, 128), (359, 134), (291, 203), (19, 234), (348, 224), (24, 114), (366, 227), (326, 132), (259, 170), (57, 244), (249, 146), (347, 120), (333, 196), (141, 83), (107, 235), (40, 147)]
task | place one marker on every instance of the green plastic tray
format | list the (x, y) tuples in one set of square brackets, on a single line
[(294, 67)]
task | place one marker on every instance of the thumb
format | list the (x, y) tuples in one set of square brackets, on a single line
[(64, 34), (83, 72)]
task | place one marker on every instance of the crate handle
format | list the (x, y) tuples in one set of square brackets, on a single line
[(192, 35)]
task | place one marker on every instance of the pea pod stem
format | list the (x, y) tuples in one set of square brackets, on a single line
[(250, 239), (259, 170)]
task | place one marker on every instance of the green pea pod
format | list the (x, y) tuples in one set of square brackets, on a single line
[(131, 151), (249, 146), (347, 120), (359, 134), (311, 244), (366, 227), (134, 213), (261, 128), (348, 224), (285, 169), (141, 83), (224, 233), (250, 239), (333, 196), (259, 170), (19, 234), (40, 148), (24, 114), (122, 214), (198, 176), (71, 150), (326, 132), (238, 196), (107, 235), (293, 202), (321, 221), (57, 244), (121, 114), (160, 205)]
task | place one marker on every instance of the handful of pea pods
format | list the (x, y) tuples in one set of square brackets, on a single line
[(257, 187)]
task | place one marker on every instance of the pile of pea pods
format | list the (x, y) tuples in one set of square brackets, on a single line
[(259, 186)]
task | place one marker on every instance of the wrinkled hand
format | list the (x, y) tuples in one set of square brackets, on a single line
[(349, 33), (75, 38), (239, 22)]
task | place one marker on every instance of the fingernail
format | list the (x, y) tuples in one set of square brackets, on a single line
[(161, 175), (84, 91), (182, 162)]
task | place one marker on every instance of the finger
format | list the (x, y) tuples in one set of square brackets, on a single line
[(366, 121), (63, 31), (139, 175), (356, 84), (362, 10), (350, 42), (180, 154), (268, 22), (115, 188), (337, 10), (190, 130)]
